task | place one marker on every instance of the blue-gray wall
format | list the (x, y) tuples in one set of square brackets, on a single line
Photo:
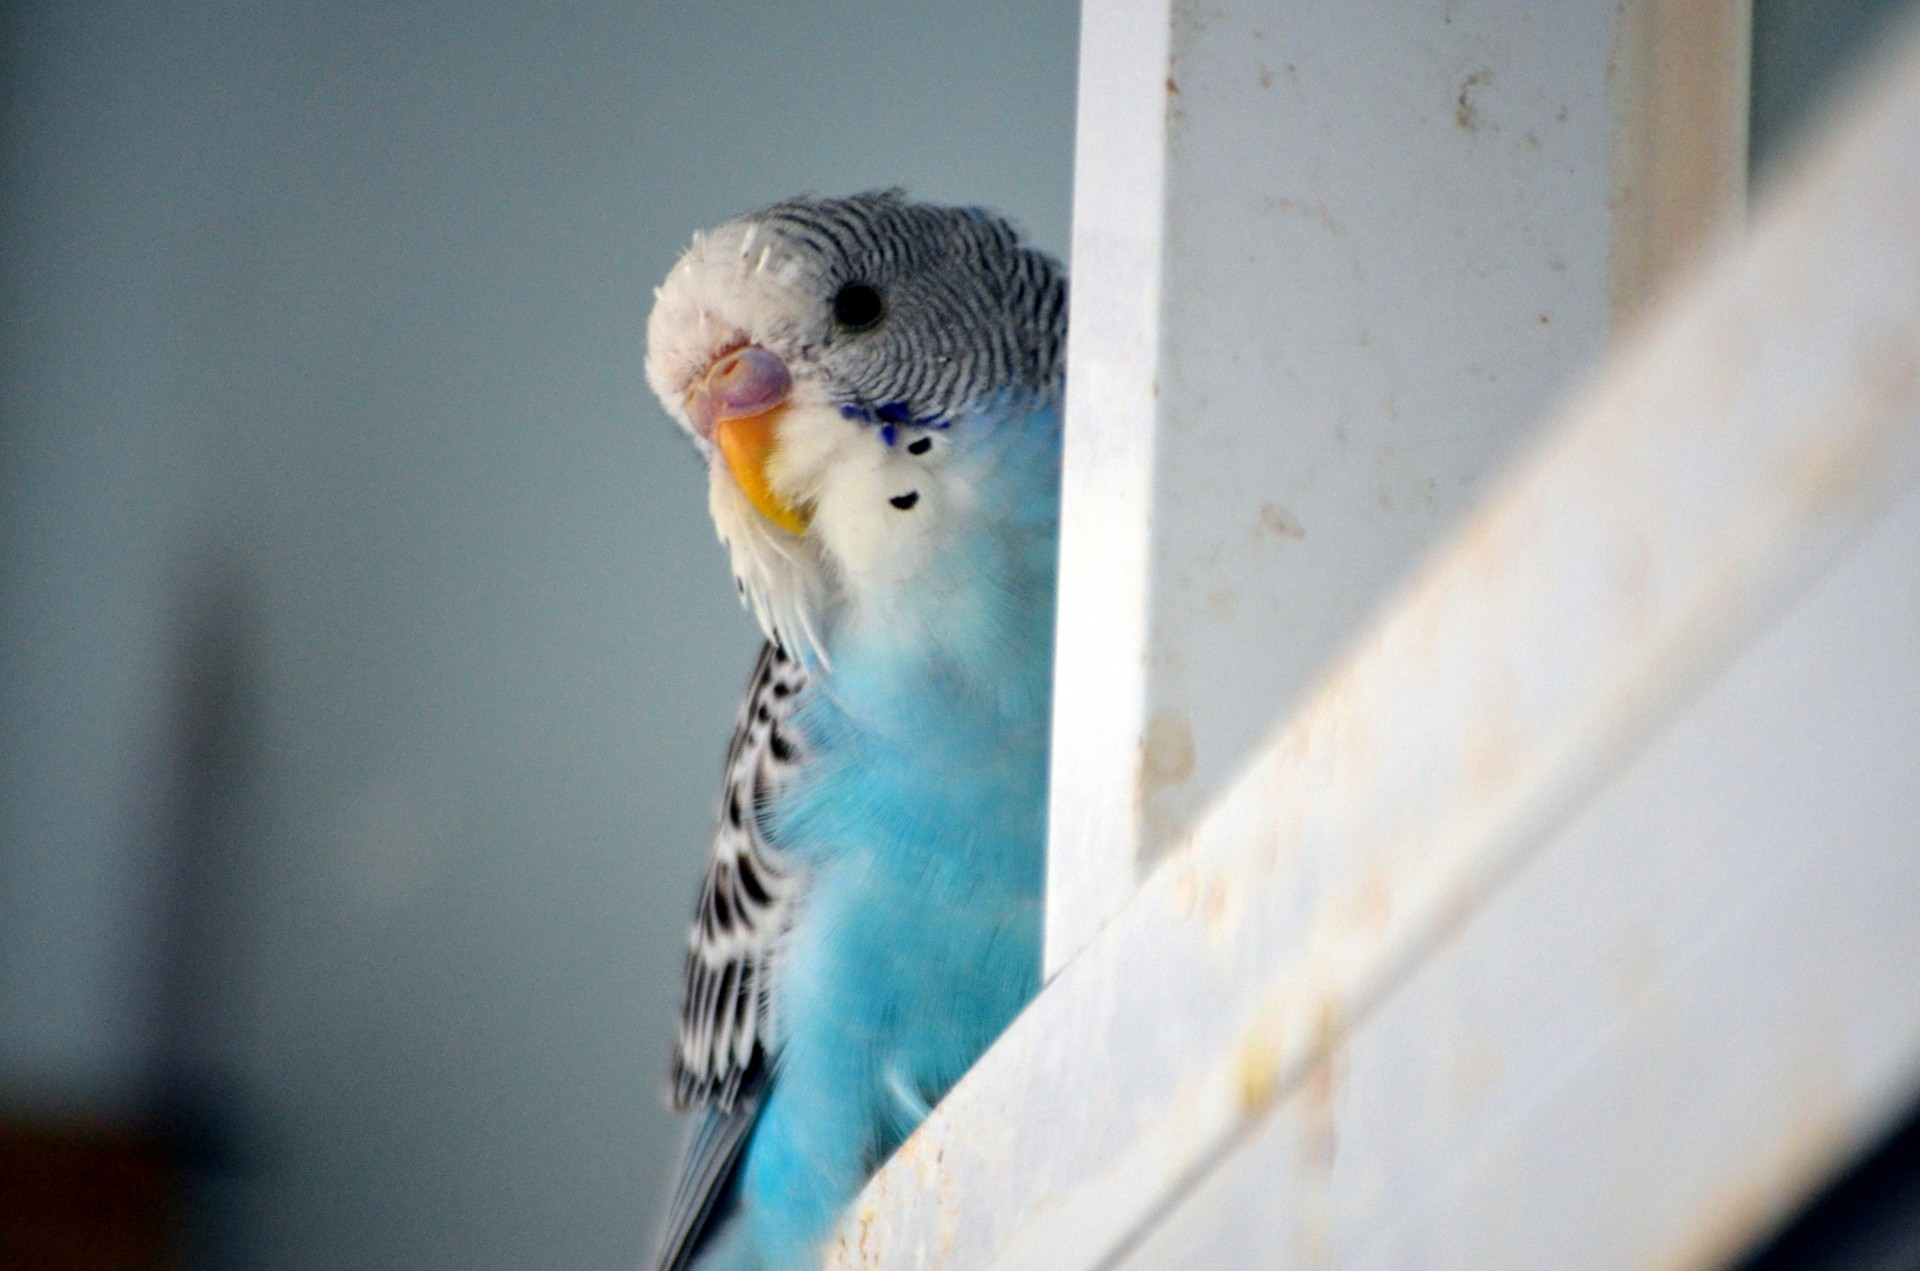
[(365, 653)]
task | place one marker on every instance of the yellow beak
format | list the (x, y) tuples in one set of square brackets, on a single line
[(748, 441), (737, 404)]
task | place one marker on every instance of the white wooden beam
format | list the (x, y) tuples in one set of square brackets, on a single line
[(1667, 1030), (1615, 804), (1107, 477), (1331, 257)]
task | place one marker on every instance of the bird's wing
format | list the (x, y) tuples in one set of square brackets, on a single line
[(708, 1163), (727, 1040)]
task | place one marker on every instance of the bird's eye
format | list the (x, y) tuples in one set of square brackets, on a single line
[(857, 306)]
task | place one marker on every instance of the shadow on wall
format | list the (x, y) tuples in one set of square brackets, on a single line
[(208, 836)]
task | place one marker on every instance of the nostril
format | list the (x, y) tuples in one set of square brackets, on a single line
[(747, 381)]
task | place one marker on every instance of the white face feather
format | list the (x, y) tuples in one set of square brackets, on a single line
[(736, 286)]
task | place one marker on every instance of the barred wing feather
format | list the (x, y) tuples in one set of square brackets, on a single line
[(728, 1036)]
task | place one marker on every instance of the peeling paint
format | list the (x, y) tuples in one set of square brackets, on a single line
[(1843, 466), (1258, 1071), (1466, 115), (1319, 1132), (1306, 209), (1280, 523), (1168, 755), (1370, 911)]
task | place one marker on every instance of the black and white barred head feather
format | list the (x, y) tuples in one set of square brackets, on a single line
[(965, 311), (899, 322)]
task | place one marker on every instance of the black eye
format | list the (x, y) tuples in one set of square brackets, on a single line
[(857, 306)]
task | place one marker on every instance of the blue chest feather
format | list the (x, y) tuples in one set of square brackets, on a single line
[(919, 821), (923, 813)]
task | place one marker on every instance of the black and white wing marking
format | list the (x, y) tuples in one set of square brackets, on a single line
[(745, 902), (727, 1036)]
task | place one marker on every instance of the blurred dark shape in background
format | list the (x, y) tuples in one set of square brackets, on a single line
[(194, 1091), (87, 1198), (145, 1190)]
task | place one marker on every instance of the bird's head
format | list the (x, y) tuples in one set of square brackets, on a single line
[(842, 364)]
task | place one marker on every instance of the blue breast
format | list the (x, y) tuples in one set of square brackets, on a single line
[(923, 811), (919, 816)]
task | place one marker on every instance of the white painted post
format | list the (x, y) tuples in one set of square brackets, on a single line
[(1330, 258), (1099, 712)]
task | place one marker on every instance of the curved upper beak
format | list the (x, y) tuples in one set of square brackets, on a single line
[(737, 405)]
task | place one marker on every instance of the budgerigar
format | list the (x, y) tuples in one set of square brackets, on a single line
[(875, 384)]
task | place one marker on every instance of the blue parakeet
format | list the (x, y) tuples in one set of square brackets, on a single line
[(875, 385)]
